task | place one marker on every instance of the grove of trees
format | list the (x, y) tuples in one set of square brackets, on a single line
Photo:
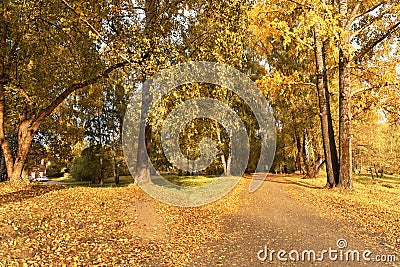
[(69, 68)]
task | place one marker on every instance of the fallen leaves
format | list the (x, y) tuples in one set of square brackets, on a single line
[(81, 226), (373, 209)]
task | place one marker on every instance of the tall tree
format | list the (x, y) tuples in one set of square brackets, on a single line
[(361, 36), (45, 56), (328, 136)]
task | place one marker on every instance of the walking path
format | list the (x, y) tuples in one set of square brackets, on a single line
[(270, 219)]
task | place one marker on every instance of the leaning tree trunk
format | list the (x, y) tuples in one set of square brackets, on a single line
[(328, 136), (345, 173)]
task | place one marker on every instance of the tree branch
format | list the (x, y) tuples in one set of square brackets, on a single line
[(374, 19), (74, 87), (368, 10), (353, 14), (371, 88), (22, 91), (300, 4), (367, 49)]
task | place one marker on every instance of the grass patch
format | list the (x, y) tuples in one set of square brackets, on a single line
[(190, 181), (63, 179), (108, 182), (184, 181)]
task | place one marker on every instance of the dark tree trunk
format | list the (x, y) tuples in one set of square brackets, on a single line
[(328, 136), (102, 171), (299, 158), (115, 170), (3, 169), (345, 174)]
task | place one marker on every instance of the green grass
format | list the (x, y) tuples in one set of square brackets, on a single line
[(108, 182), (190, 181), (62, 179), (184, 181)]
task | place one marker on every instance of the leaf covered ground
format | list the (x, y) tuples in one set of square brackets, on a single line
[(372, 207), (81, 226), (61, 225)]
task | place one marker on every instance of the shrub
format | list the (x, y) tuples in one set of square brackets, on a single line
[(87, 167)]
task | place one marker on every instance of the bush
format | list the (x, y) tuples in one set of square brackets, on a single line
[(54, 171), (87, 166)]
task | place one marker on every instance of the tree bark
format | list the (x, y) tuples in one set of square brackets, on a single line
[(14, 166), (143, 160), (229, 163), (299, 157), (345, 173), (29, 123), (328, 136)]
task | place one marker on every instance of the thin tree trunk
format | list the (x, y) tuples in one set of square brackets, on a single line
[(223, 161), (115, 170), (345, 174), (328, 136), (229, 163), (101, 174), (299, 157), (3, 169)]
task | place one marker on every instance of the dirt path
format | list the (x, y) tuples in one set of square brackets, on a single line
[(270, 217)]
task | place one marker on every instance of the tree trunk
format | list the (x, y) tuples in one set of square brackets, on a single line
[(143, 160), (115, 172), (229, 163), (307, 162), (101, 175), (15, 166), (3, 169), (345, 173), (317, 166), (328, 136), (299, 157)]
